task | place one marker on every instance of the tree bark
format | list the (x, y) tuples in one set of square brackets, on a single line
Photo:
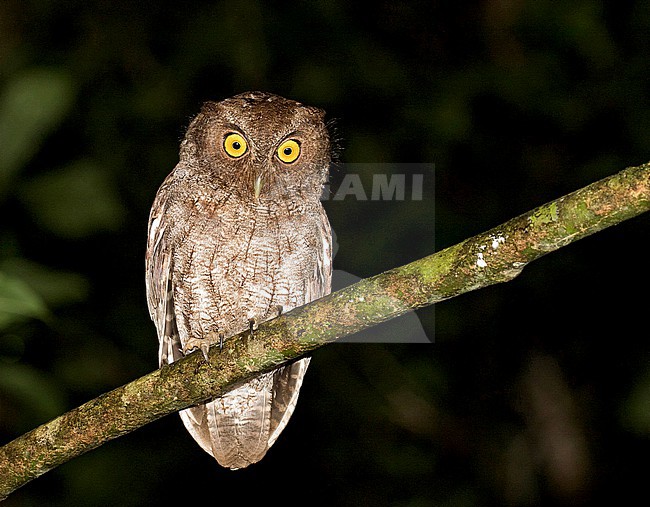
[(497, 255)]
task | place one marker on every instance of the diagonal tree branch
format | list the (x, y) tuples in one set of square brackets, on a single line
[(497, 255)]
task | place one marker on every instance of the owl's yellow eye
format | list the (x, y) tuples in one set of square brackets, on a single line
[(289, 151), (235, 145)]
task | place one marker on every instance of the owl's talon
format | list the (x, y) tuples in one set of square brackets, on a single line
[(252, 325), (205, 347)]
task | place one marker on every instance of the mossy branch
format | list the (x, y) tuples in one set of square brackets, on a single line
[(497, 255)]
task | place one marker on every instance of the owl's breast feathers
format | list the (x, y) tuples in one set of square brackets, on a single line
[(234, 262)]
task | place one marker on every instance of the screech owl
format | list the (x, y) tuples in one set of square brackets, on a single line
[(238, 235)]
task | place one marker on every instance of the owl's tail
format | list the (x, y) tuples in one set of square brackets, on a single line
[(238, 428)]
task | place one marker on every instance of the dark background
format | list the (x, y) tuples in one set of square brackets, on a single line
[(536, 392)]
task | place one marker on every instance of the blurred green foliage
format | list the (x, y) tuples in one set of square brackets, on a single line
[(74, 201), (32, 104), (535, 393), (19, 302)]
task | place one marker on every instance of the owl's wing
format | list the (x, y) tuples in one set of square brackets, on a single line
[(288, 379), (286, 387), (322, 282), (160, 294)]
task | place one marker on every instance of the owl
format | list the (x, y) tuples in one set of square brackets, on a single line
[(237, 236)]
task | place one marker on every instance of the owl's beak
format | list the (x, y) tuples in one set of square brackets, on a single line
[(257, 187)]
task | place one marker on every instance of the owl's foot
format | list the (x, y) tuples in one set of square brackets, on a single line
[(197, 343), (203, 344)]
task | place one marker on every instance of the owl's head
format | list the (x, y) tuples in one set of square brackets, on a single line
[(260, 147)]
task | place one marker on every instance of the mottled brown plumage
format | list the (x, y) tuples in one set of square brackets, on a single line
[(237, 235)]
